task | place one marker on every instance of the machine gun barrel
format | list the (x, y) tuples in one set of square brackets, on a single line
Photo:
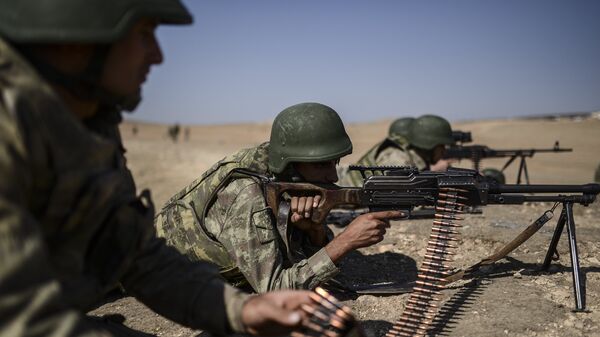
[(515, 194), (510, 188), (482, 151)]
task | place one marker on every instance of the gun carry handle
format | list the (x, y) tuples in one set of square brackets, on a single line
[(331, 196)]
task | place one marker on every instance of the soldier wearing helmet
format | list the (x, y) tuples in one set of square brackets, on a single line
[(223, 217), (419, 142), (72, 226)]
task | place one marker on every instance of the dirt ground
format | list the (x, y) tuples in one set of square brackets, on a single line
[(513, 298)]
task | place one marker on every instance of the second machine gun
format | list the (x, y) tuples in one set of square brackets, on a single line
[(402, 188), (476, 153)]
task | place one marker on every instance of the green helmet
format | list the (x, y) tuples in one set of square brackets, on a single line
[(401, 127), (429, 131), (494, 174), (307, 132), (76, 21)]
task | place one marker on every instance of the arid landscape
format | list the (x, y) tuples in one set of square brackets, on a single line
[(513, 298)]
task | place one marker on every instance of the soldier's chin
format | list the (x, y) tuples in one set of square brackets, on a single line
[(130, 102)]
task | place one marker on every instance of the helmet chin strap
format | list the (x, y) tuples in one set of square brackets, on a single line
[(85, 85)]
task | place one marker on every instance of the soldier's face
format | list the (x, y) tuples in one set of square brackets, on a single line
[(129, 59), (438, 153), (321, 172)]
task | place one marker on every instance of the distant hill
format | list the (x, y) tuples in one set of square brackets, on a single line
[(562, 115)]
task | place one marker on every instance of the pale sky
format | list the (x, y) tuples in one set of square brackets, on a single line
[(246, 60)]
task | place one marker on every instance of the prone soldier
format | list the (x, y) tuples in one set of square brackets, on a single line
[(71, 225), (223, 216), (419, 143)]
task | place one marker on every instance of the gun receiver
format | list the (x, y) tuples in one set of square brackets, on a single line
[(476, 153), (403, 188)]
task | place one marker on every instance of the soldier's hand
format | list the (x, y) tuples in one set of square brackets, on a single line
[(442, 165), (368, 229), (274, 313), (302, 207), (301, 212)]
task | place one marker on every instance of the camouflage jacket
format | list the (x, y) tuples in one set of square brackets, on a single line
[(72, 228), (393, 151), (236, 230)]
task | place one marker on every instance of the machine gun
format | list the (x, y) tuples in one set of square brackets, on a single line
[(476, 153), (404, 188)]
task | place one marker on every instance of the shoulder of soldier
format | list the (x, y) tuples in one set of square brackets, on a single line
[(17, 76), (244, 185), (28, 105), (393, 153), (418, 161), (240, 193)]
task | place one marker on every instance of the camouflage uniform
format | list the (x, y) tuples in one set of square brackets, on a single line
[(393, 151), (227, 222), (72, 228)]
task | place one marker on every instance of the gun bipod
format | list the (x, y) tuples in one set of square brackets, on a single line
[(566, 217)]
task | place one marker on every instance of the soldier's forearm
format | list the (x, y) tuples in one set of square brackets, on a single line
[(338, 248), (305, 274), (181, 290)]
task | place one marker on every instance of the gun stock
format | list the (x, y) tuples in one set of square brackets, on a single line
[(331, 196)]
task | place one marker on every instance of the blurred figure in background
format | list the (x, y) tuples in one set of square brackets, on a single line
[(419, 143)]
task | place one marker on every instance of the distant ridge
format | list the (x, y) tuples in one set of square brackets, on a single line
[(562, 115)]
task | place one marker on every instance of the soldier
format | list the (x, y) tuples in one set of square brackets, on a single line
[(422, 147), (173, 132), (223, 216), (71, 225)]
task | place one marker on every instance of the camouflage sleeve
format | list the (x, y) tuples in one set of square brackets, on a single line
[(248, 233), (392, 156), (31, 302), (190, 293)]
